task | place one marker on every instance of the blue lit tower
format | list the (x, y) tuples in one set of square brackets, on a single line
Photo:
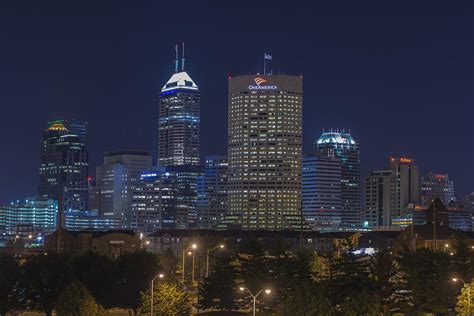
[(178, 141), (342, 145), (178, 125)]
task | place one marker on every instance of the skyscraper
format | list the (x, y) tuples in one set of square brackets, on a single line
[(390, 192), (64, 167), (116, 180), (147, 211), (264, 149), (178, 142), (342, 145), (407, 182), (436, 185), (179, 120), (321, 192), (212, 192), (379, 198), (75, 127), (166, 198)]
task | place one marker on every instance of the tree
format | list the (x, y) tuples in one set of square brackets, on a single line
[(426, 275), (136, 270), (45, 277), (464, 304), (307, 299), (219, 289), (99, 274), (9, 276), (76, 300), (386, 277), (169, 262), (169, 299), (362, 303), (462, 261), (350, 275)]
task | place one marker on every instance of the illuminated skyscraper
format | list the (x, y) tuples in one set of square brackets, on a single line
[(178, 143), (407, 182), (264, 150), (64, 167), (343, 146), (321, 192), (436, 185), (147, 210), (389, 193), (212, 192), (379, 198), (116, 182), (179, 121)]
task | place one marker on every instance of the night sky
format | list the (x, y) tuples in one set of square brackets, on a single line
[(399, 74)]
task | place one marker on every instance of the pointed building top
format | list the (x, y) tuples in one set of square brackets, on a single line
[(180, 80)]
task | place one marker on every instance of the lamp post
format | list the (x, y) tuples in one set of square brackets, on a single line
[(254, 297), (161, 276), (221, 246), (194, 247), (468, 293)]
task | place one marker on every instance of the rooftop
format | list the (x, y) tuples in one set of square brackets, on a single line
[(336, 138), (180, 80)]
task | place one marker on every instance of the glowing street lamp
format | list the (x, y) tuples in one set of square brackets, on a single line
[(254, 297), (161, 276), (221, 246), (468, 292), (194, 247)]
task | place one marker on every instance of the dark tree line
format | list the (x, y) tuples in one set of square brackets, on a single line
[(37, 282), (304, 283), (409, 282)]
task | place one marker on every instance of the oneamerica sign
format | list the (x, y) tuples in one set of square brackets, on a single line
[(259, 81)]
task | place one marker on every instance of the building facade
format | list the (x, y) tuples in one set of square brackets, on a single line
[(321, 192), (379, 198), (147, 209), (116, 180), (407, 184), (179, 122), (89, 220), (264, 149), (212, 192), (342, 145), (391, 193), (436, 185), (38, 214), (64, 168)]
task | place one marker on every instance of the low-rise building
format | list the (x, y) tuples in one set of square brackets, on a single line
[(110, 243)]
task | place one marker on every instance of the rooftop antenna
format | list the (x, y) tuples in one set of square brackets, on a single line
[(182, 59), (176, 61)]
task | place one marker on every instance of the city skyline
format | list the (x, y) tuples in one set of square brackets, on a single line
[(389, 113)]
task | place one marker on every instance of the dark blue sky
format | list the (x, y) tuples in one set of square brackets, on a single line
[(399, 74)]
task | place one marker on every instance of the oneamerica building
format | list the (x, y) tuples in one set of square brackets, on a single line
[(264, 150)]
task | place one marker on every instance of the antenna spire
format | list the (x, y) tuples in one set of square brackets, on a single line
[(182, 59), (176, 61)]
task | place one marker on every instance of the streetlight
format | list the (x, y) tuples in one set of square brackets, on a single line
[(161, 276), (221, 246), (193, 246), (468, 293), (267, 291)]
